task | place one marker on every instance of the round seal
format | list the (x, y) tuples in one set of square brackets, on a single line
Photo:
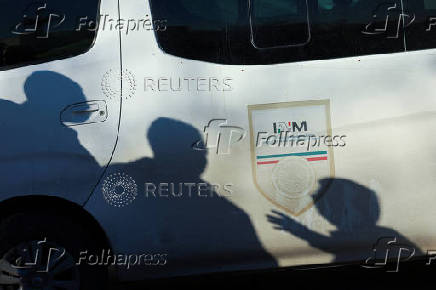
[(119, 189), (293, 177), (110, 84)]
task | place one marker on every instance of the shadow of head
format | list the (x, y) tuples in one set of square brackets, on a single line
[(171, 142), (348, 205), (48, 93), (52, 89)]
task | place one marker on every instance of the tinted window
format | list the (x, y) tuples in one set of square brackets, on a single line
[(35, 32), (196, 29), (274, 31), (343, 28), (279, 23), (430, 4), (421, 30)]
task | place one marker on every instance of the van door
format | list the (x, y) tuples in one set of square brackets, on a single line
[(60, 97), (264, 133)]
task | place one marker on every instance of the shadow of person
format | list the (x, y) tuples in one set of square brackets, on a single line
[(354, 210), (38, 154), (181, 214)]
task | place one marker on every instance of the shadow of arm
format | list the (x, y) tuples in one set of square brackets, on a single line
[(284, 223)]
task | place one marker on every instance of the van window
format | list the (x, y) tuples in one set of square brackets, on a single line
[(197, 29), (277, 31), (279, 23), (39, 31), (430, 4), (421, 31)]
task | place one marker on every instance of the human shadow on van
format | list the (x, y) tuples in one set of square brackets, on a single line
[(354, 210), (39, 155), (188, 219)]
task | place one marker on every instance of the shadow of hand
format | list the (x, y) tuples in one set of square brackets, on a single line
[(283, 222)]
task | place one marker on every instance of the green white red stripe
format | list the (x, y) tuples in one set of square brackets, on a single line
[(311, 156)]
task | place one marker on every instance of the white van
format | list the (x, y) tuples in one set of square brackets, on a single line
[(171, 137)]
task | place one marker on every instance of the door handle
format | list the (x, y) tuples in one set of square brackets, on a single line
[(84, 113), (90, 111)]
